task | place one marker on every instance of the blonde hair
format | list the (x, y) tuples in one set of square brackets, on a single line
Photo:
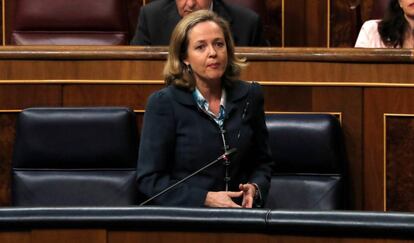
[(176, 72)]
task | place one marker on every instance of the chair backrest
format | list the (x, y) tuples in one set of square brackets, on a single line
[(75, 157), (310, 162), (75, 22)]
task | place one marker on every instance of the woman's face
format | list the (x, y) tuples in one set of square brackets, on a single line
[(206, 52), (408, 7)]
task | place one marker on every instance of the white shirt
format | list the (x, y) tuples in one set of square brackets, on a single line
[(369, 36)]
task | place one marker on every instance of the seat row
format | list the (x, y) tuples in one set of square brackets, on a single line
[(86, 156), (80, 22)]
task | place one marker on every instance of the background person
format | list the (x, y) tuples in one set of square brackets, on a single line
[(204, 111), (395, 30), (157, 20)]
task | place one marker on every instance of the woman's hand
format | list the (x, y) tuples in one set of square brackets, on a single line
[(249, 190), (222, 199)]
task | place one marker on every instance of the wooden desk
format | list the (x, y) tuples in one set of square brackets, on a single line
[(161, 224), (371, 90)]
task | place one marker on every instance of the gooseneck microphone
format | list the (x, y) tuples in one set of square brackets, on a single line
[(222, 157)]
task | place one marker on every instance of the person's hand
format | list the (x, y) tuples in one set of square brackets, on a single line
[(249, 190), (222, 199)]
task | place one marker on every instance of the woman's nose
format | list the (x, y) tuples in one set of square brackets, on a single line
[(212, 51)]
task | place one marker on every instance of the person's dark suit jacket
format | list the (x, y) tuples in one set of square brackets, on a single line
[(157, 20), (178, 138)]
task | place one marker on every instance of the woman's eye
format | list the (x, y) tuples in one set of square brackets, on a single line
[(220, 44)]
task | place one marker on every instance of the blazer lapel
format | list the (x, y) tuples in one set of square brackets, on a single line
[(237, 92)]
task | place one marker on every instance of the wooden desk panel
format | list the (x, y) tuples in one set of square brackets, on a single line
[(68, 236), (15, 237), (120, 236), (204, 237)]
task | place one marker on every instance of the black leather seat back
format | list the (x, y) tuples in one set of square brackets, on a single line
[(309, 160), (75, 157)]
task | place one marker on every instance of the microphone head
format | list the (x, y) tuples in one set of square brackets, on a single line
[(230, 151)]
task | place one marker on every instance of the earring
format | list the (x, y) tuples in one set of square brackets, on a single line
[(189, 69)]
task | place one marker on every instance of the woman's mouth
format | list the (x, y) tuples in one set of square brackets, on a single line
[(213, 65)]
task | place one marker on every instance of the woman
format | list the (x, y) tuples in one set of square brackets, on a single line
[(203, 112), (395, 30)]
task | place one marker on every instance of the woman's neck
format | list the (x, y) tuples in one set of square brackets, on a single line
[(410, 21), (408, 37), (210, 91)]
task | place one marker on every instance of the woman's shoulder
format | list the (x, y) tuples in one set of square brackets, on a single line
[(160, 98), (252, 85), (372, 23), (370, 27), (369, 35), (171, 95), (245, 84), (159, 94), (242, 88)]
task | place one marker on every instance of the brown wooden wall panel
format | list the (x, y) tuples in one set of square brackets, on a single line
[(7, 137), (15, 237), (190, 237), (295, 27), (9, 21), (338, 72), (187, 237), (348, 102), (379, 9), (88, 70), (272, 26), (316, 23), (68, 236), (134, 96), (300, 98), (305, 23), (377, 103), (124, 236), (2, 24), (399, 162), (345, 22), (367, 7), (21, 96)]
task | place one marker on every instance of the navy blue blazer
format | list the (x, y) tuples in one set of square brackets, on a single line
[(158, 19), (178, 138)]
